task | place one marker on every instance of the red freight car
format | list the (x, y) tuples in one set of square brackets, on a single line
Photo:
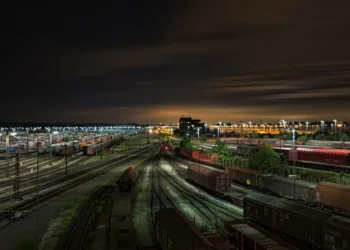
[(210, 178), (327, 157), (128, 180), (185, 153), (334, 196), (204, 157)]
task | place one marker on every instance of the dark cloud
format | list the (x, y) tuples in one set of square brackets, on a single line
[(275, 56)]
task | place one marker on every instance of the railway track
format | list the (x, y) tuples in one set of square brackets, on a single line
[(78, 178), (78, 234), (45, 175), (207, 208)]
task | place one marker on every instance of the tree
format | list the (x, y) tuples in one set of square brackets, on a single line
[(343, 137), (186, 143), (255, 135), (288, 137), (267, 159), (266, 137), (220, 148)]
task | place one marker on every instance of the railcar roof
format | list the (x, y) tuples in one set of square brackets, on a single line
[(339, 222), (179, 228), (285, 205), (258, 237), (298, 182)]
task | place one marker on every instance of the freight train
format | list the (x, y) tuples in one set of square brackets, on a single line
[(330, 196), (318, 158), (307, 226), (92, 149)]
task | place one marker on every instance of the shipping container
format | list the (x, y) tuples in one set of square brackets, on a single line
[(210, 178)]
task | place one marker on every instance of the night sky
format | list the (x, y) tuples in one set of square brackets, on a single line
[(215, 60)]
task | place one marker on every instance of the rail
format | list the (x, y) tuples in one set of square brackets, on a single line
[(101, 168)]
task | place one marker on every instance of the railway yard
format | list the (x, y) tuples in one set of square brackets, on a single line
[(131, 192)]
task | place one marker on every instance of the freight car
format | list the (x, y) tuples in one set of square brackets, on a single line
[(92, 149), (250, 141), (127, 180), (197, 156), (174, 231), (291, 188), (334, 196), (300, 223), (336, 233), (244, 236), (331, 159), (210, 178)]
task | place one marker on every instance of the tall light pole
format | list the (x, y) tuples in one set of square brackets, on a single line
[(294, 154), (322, 127), (7, 153), (335, 130), (294, 147)]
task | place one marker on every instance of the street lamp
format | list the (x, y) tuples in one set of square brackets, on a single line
[(335, 130)]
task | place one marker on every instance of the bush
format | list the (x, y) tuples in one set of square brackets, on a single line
[(267, 159), (302, 138)]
